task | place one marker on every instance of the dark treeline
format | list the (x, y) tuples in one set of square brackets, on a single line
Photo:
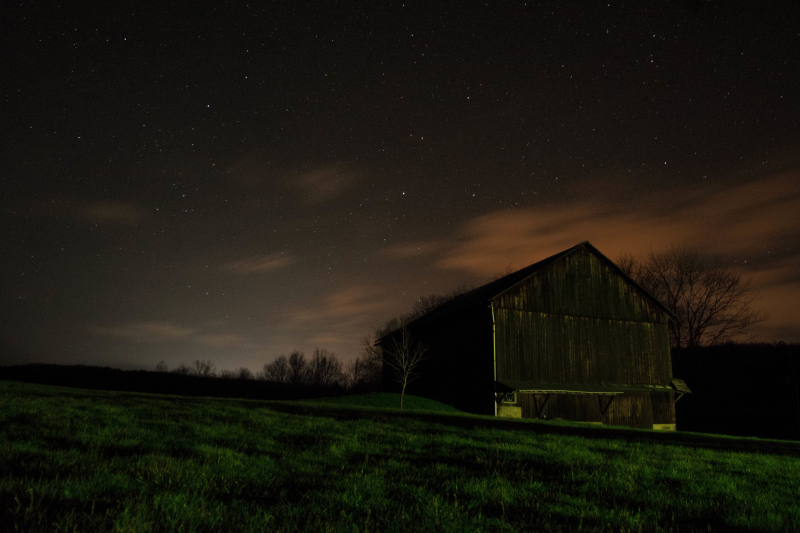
[(321, 375), (740, 389), (324, 370), (737, 389), (112, 379)]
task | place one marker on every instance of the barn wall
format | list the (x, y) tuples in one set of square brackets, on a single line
[(664, 408), (639, 410), (569, 349), (565, 406), (578, 320), (582, 284), (631, 409)]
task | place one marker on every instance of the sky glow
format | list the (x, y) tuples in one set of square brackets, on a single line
[(232, 185)]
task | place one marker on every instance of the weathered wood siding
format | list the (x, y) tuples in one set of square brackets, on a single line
[(582, 284), (664, 408), (575, 320), (629, 409), (579, 321), (568, 349), (564, 406)]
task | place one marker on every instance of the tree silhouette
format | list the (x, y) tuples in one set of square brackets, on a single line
[(182, 370), (324, 369), (298, 371), (278, 370), (203, 369), (712, 303), (403, 356), (241, 373), (368, 368), (244, 373)]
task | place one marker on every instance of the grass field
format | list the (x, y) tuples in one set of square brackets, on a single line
[(79, 460), (387, 400)]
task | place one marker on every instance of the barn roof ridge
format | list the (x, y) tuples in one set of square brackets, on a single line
[(494, 288)]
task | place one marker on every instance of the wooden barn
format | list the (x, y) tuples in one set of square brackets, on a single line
[(569, 337)]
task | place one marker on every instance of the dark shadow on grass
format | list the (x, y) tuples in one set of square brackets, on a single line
[(96, 515), (694, 440), (464, 421), (524, 518), (709, 522)]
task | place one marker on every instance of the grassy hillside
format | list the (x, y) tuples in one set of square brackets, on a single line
[(388, 400), (80, 460)]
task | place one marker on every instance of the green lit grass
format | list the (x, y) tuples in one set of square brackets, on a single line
[(78, 460), (389, 401)]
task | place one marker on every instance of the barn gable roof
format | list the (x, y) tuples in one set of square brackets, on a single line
[(485, 293)]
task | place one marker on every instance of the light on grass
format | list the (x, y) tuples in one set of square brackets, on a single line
[(243, 465)]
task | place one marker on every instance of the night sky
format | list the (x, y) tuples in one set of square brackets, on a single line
[(233, 184)]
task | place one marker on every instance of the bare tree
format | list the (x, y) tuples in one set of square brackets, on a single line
[(162, 367), (244, 373), (241, 373), (354, 374), (182, 370), (371, 362), (403, 356), (509, 269), (298, 368), (712, 303), (393, 324), (324, 369), (278, 370), (203, 369), (631, 266)]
